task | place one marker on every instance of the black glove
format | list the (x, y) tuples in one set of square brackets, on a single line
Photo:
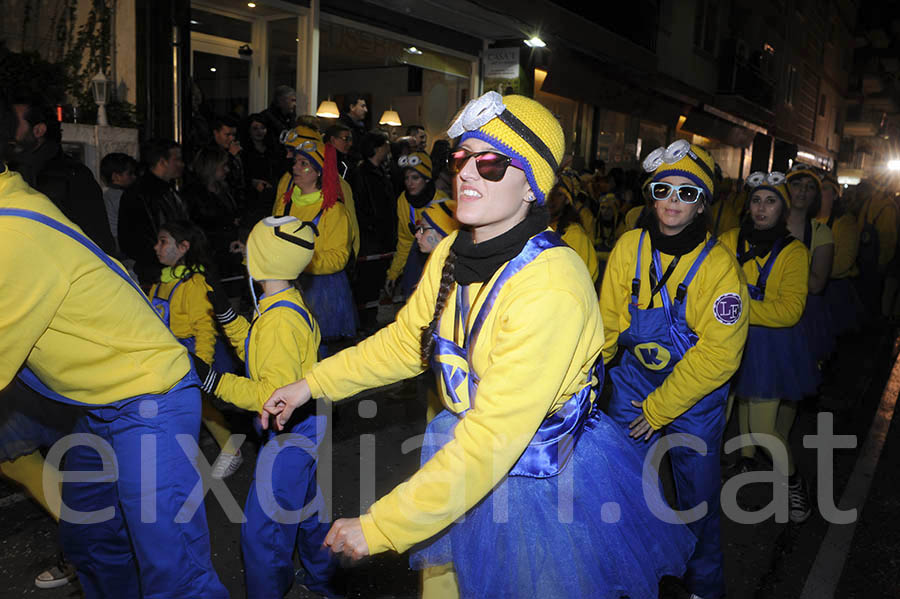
[(209, 378), (218, 297)]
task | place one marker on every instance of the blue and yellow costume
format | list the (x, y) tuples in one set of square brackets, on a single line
[(87, 336), (841, 296), (325, 283), (279, 347), (508, 439), (682, 325), (408, 261)]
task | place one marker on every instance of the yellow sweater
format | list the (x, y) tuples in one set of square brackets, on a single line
[(578, 240), (405, 239), (786, 287), (846, 246), (282, 350), (545, 317), (349, 204), (190, 312), (84, 331), (717, 354)]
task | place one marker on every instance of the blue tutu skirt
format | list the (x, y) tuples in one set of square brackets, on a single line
[(29, 421), (331, 302), (777, 364), (604, 542), (844, 305), (818, 327)]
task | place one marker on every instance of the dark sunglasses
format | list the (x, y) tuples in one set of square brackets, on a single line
[(491, 165), (414, 229)]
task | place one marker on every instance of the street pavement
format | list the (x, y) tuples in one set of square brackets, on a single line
[(766, 560)]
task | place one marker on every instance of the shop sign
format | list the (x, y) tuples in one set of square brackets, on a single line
[(501, 63)]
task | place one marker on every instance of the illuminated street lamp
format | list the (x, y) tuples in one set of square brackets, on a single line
[(100, 88)]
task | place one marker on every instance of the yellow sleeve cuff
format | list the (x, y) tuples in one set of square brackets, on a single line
[(375, 539)]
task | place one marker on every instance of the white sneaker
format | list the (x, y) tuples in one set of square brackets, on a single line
[(798, 499), (56, 576), (226, 464)]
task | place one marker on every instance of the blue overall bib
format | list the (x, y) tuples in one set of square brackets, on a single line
[(268, 545), (526, 549), (655, 340), (141, 551)]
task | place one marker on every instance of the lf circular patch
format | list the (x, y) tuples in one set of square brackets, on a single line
[(728, 308)]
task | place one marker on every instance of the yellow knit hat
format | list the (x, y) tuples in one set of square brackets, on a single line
[(279, 248), (803, 170), (683, 159), (775, 182), (417, 161), (441, 217), (307, 142), (520, 128), (609, 198)]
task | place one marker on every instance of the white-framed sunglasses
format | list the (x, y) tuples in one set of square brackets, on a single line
[(686, 194)]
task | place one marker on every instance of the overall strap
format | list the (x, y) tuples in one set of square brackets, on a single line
[(636, 281), (316, 220), (412, 215), (279, 304), (171, 293), (537, 244), (767, 268), (682, 287), (80, 238)]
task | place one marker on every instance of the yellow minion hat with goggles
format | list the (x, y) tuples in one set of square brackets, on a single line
[(307, 142), (608, 198), (803, 170), (683, 159), (775, 182), (417, 161), (520, 128), (279, 248), (440, 217)]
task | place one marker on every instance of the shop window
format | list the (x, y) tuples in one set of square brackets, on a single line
[(220, 25)]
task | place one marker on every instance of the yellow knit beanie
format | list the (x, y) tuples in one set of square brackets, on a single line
[(417, 161), (803, 170), (279, 248), (440, 217), (520, 128), (775, 182), (683, 159)]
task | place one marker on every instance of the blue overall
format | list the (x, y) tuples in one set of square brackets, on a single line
[(140, 550), (526, 549), (268, 544), (415, 261), (655, 340)]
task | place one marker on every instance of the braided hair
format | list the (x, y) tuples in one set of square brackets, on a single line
[(426, 339)]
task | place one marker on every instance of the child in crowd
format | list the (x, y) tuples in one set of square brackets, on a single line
[(279, 346), (180, 299)]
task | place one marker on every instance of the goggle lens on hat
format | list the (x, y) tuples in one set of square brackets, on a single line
[(409, 161), (687, 194), (491, 165)]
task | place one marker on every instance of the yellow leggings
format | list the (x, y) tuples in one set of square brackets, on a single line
[(767, 416), (439, 582), (215, 423), (28, 470)]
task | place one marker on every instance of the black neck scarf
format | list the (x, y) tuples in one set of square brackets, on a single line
[(477, 262), (681, 243), (760, 240), (421, 199)]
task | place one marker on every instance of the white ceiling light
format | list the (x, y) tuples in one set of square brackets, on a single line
[(413, 50), (212, 69), (535, 42)]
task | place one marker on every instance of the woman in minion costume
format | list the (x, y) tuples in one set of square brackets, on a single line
[(609, 227), (279, 346), (806, 189), (498, 301), (564, 220), (180, 300), (841, 297), (420, 193), (311, 195), (778, 368), (673, 300)]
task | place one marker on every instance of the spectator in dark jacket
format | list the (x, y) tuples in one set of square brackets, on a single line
[(355, 119), (263, 165), (67, 182), (280, 115), (212, 206), (149, 203)]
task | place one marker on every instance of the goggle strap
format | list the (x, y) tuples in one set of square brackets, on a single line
[(522, 130)]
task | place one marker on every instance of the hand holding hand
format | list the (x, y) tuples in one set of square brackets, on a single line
[(346, 536), (283, 402)]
